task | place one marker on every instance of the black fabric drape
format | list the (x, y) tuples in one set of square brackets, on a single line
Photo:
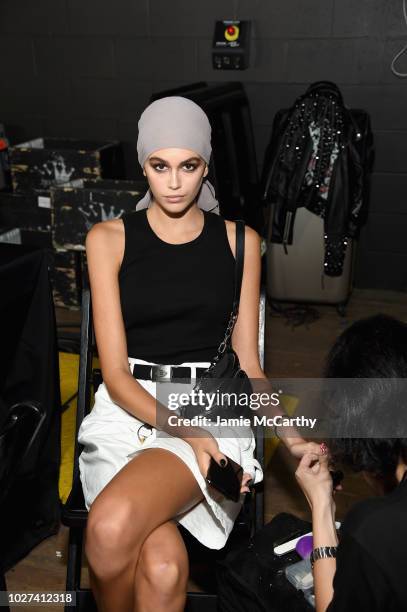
[(29, 370)]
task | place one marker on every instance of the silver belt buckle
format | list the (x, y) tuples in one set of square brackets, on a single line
[(161, 373)]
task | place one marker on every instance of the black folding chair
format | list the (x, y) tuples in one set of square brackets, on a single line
[(17, 435), (74, 513)]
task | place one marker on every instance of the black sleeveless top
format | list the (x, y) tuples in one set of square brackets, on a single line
[(175, 298)]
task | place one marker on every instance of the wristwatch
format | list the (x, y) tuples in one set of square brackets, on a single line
[(322, 552)]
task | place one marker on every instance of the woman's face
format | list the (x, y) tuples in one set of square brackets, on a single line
[(175, 177)]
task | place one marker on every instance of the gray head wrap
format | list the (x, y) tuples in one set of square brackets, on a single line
[(176, 122)]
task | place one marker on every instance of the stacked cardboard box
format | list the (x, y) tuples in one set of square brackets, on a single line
[(37, 167), (76, 207)]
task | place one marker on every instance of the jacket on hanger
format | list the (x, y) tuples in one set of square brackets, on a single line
[(319, 156)]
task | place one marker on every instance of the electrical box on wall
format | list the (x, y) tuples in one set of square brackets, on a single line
[(231, 44)]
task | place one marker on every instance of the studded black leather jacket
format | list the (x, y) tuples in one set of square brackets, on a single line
[(320, 156)]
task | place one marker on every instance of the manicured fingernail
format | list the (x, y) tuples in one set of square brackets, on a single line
[(222, 462)]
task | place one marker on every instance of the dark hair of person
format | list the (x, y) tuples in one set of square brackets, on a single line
[(374, 348)]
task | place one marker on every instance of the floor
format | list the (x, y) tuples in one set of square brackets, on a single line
[(291, 351)]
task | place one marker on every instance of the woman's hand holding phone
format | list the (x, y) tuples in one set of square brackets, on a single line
[(227, 479), (206, 449)]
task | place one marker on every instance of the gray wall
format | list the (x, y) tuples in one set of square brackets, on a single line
[(86, 68)]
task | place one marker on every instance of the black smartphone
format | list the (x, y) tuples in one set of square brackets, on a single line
[(227, 480)]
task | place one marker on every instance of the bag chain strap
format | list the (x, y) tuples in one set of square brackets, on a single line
[(238, 281)]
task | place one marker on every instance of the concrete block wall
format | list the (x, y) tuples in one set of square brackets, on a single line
[(86, 68)]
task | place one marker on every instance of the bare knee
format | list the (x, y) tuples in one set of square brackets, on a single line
[(111, 538), (166, 574)]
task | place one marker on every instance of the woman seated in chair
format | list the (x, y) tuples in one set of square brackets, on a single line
[(366, 571), (162, 283)]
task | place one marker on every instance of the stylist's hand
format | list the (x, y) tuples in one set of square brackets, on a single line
[(315, 480)]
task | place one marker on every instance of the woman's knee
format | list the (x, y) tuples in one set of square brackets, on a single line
[(165, 571), (111, 535)]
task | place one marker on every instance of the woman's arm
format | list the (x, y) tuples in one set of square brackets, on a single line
[(245, 335), (104, 250), (316, 482), (324, 534), (246, 332), (355, 581)]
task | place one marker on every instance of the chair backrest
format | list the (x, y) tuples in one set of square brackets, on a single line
[(17, 434), (87, 351), (262, 325), (259, 430), (87, 345)]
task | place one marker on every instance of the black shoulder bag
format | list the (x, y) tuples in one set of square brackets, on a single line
[(224, 377)]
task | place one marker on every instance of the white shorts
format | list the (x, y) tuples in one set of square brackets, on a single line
[(110, 436)]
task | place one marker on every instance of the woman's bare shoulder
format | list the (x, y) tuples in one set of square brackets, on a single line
[(106, 237), (252, 238)]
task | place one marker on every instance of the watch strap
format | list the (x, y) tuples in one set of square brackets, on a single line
[(322, 552)]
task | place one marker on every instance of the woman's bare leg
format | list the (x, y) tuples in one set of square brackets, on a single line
[(149, 491), (162, 571)]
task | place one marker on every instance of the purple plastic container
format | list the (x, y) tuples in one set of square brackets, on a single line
[(304, 546)]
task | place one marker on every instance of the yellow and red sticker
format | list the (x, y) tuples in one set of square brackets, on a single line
[(232, 33)]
